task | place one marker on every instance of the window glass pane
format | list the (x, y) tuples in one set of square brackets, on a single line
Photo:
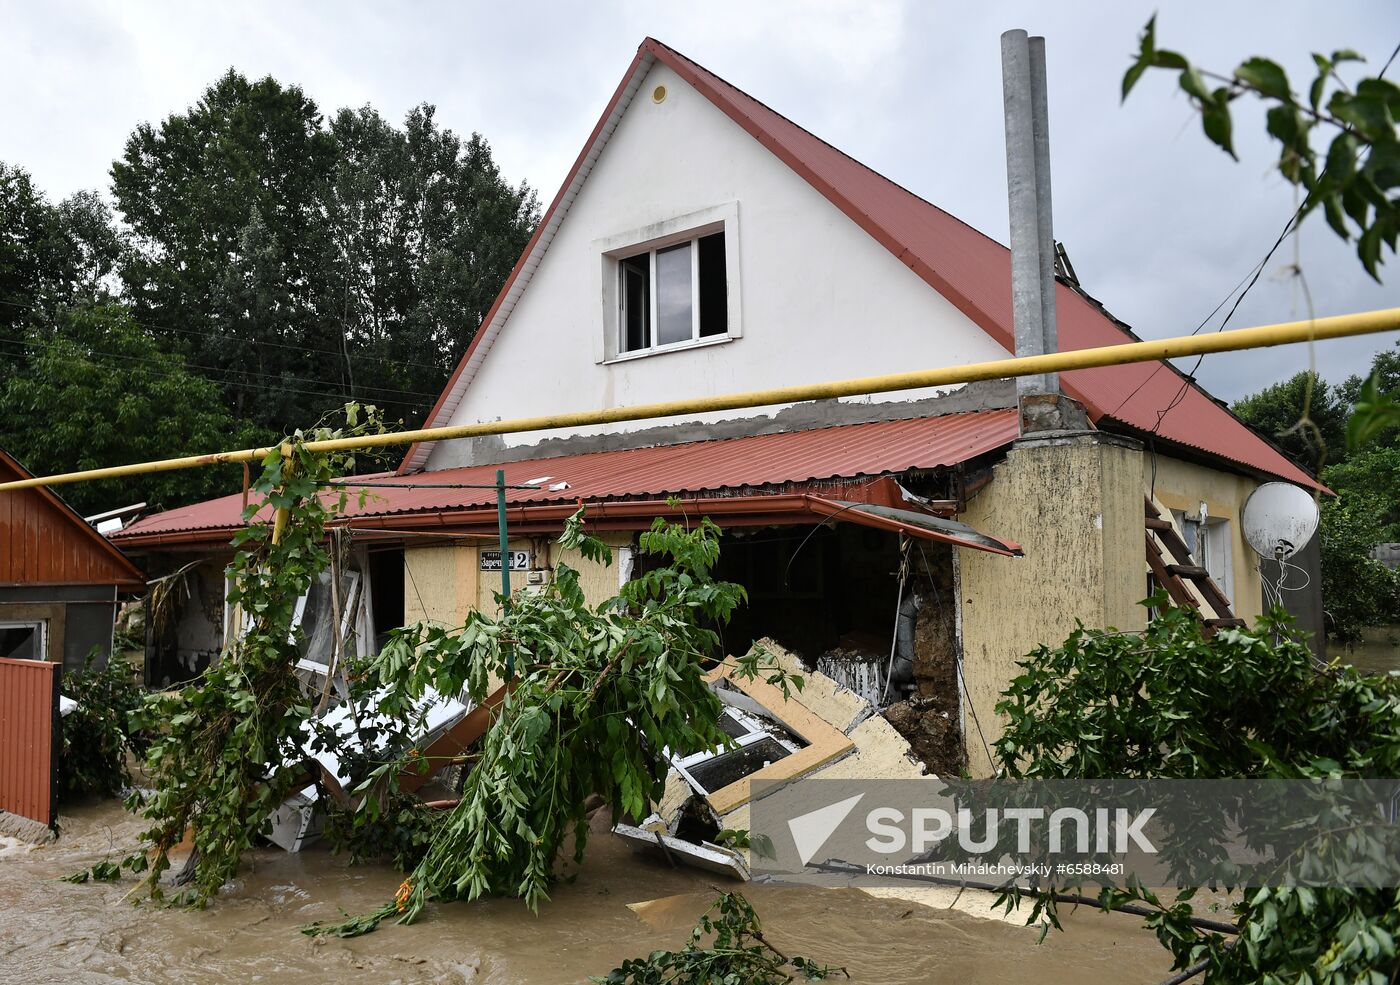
[(714, 305), (20, 642), (673, 295), (635, 273)]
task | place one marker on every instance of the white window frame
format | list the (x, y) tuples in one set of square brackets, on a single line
[(1211, 542), (754, 732), (41, 634), (688, 228)]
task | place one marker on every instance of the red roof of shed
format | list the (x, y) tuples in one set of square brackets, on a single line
[(847, 451), (969, 268), (43, 541)]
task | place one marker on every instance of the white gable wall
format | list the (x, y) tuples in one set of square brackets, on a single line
[(820, 299)]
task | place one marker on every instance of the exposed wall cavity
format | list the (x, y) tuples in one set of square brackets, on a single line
[(832, 596)]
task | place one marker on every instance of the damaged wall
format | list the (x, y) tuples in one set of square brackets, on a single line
[(930, 717), (1074, 502)]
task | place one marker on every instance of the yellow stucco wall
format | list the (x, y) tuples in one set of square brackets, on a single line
[(599, 583), (440, 583), (1075, 505), (1182, 486), (443, 582)]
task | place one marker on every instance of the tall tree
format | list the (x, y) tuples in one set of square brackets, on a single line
[(50, 254), (300, 263), (425, 231), (243, 169)]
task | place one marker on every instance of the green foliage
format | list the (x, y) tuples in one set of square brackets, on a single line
[(50, 254), (97, 734), (1168, 703), (737, 953), (1353, 179), (1303, 415), (390, 826), (294, 258), (1357, 590), (99, 390), (218, 764), (600, 691)]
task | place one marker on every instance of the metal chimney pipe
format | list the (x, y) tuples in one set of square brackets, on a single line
[(1040, 126), (1022, 187)]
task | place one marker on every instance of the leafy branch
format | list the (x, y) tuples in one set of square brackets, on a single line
[(1353, 180), (219, 761), (737, 952), (599, 693), (1169, 703)]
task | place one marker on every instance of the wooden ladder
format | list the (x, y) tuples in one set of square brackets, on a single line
[(1174, 568)]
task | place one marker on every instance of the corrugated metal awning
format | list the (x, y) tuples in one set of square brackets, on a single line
[(722, 472)]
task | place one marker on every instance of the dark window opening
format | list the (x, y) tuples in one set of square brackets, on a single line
[(713, 292), (386, 591), (22, 641), (836, 589), (636, 303)]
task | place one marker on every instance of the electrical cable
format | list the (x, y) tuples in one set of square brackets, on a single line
[(159, 327), (898, 605), (224, 381), (218, 369)]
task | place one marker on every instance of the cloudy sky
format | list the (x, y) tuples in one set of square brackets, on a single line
[(1160, 225)]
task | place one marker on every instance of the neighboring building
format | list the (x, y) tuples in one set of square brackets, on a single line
[(702, 244), (60, 580)]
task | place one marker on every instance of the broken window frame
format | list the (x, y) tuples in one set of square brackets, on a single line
[(756, 731), (40, 644), (350, 607)]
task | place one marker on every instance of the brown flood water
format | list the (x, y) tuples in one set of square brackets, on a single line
[(53, 931)]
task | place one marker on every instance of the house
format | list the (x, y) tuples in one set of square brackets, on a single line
[(60, 580), (911, 543)]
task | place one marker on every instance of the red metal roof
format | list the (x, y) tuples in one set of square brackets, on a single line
[(969, 268), (847, 451), (43, 541)]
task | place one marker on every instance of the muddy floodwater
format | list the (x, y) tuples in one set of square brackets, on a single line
[(53, 931)]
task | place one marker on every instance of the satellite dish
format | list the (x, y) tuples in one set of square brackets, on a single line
[(1279, 519)]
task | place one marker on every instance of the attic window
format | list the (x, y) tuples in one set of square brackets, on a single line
[(673, 296)]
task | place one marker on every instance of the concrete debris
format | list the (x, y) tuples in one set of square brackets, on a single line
[(826, 729)]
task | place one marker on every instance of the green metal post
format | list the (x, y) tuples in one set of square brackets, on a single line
[(505, 558)]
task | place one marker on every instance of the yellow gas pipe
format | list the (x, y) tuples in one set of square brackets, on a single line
[(1262, 336)]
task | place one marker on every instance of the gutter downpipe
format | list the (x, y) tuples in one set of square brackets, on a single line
[(1258, 337)]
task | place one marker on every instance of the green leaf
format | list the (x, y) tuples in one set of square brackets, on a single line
[(1265, 76), (1215, 120)]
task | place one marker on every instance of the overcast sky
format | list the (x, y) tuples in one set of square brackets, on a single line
[(1159, 225)]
